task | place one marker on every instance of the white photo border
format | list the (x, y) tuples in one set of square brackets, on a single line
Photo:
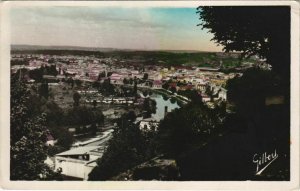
[(142, 185)]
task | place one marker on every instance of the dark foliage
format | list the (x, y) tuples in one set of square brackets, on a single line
[(128, 148), (76, 98), (262, 31), (44, 90), (248, 93), (253, 128), (187, 127), (149, 107), (27, 138), (106, 88), (83, 116), (37, 74)]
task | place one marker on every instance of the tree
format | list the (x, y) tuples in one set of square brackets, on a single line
[(185, 128), (44, 90), (93, 129), (262, 31), (248, 93), (173, 89), (96, 84), (131, 116), (107, 88), (209, 92), (125, 81), (36, 74), (65, 138), (165, 97), (76, 98), (94, 104), (128, 148), (145, 93), (83, 116), (145, 77), (27, 138), (52, 70), (193, 95), (78, 83), (135, 86), (147, 107), (70, 81), (54, 113), (173, 100), (130, 81), (165, 86), (101, 75)]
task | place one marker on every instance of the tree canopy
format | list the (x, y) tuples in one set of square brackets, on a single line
[(263, 31), (255, 85), (128, 148), (27, 138), (186, 127)]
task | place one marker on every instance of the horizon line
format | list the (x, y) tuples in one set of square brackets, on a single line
[(116, 49)]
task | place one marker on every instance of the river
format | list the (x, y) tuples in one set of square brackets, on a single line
[(159, 115), (160, 105)]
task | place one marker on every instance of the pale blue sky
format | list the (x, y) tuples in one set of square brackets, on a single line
[(112, 27)]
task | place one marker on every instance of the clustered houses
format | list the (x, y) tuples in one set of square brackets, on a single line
[(90, 69), (200, 79)]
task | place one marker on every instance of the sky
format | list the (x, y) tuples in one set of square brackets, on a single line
[(146, 28)]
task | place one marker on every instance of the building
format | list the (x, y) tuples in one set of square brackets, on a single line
[(148, 124), (50, 140), (201, 87), (222, 94), (205, 98), (157, 84), (78, 162), (219, 92)]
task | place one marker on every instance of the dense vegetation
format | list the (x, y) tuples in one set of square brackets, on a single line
[(252, 30), (28, 134), (128, 148)]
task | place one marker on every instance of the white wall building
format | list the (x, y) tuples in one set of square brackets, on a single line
[(78, 162), (223, 94), (148, 124)]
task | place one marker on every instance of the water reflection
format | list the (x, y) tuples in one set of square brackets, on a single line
[(161, 102)]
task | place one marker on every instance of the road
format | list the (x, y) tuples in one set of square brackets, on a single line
[(94, 141)]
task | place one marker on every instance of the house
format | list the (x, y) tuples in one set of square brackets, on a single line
[(50, 140), (222, 94), (148, 124), (201, 87), (78, 162), (205, 98), (49, 77), (116, 76), (157, 84), (218, 92), (186, 87)]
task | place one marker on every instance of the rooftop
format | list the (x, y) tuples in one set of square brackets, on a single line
[(79, 151)]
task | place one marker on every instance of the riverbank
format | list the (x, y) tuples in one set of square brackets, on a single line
[(179, 98)]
